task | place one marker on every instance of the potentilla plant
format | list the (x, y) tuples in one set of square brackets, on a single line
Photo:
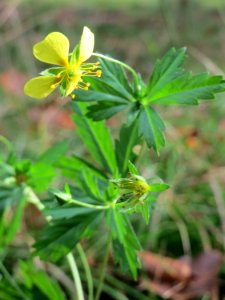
[(108, 188)]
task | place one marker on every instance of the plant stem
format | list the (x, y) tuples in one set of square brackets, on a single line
[(119, 63), (87, 271), (103, 269), (76, 276), (12, 281), (89, 205)]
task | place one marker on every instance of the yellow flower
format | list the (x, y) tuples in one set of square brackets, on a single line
[(69, 74)]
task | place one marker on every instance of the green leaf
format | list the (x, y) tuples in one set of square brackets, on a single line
[(67, 211), (6, 170), (40, 176), (116, 76), (113, 86), (188, 89), (166, 70), (170, 84), (159, 187), (104, 110), (125, 242), (97, 139), (8, 292), (33, 278), (144, 209), (13, 226), (53, 154), (128, 138), (112, 92), (151, 127), (133, 170), (90, 180), (100, 92), (60, 236), (8, 196), (70, 166)]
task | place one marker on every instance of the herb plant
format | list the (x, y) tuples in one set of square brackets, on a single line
[(103, 189)]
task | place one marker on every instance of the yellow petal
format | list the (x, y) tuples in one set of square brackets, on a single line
[(41, 86), (86, 45), (54, 49)]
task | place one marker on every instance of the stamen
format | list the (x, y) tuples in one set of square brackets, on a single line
[(98, 73)]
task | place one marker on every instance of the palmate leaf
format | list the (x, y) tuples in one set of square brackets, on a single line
[(132, 169), (146, 207), (125, 242), (8, 198), (42, 172), (67, 211), (112, 92), (166, 70), (112, 86), (188, 89), (170, 84), (54, 153), (128, 138), (31, 284), (104, 110), (97, 139), (59, 237), (72, 165), (90, 180), (151, 127), (33, 279)]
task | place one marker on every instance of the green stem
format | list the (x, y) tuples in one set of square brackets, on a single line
[(87, 271), (103, 269), (76, 276), (89, 205), (12, 281), (119, 63)]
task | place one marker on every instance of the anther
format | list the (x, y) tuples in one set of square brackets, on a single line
[(98, 73)]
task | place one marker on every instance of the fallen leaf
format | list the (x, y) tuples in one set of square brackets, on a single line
[(180, 279)]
